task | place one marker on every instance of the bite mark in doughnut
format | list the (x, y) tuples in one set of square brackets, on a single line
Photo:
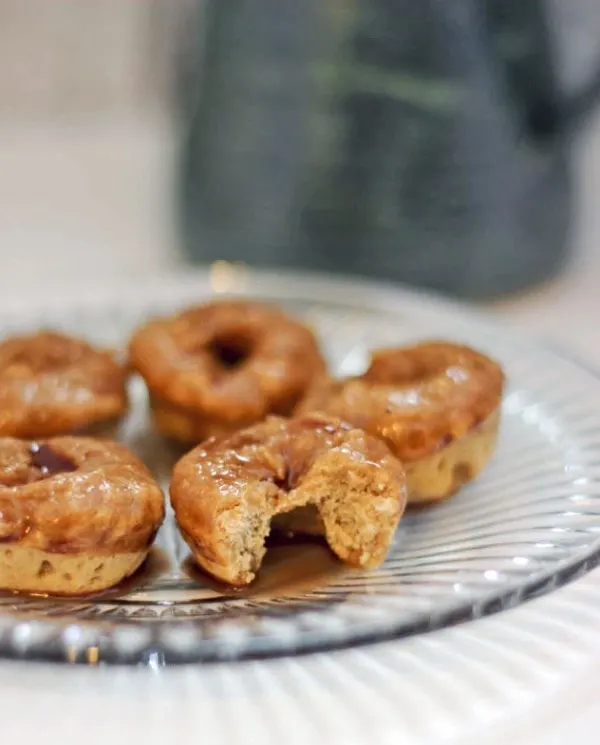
[(222, 366), (435, 404), (52, 384), (225, 493), (77, 515)]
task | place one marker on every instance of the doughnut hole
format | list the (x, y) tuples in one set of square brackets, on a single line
[(49, 462), (231, 350), (26, 464)]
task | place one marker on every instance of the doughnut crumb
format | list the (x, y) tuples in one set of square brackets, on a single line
[(226, 493)]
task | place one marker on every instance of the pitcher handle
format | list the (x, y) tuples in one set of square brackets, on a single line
[(579, 107)]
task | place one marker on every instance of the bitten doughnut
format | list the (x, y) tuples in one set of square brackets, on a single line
[(226, 492), (52, 384), (213, 369), (436, 405), (77, 515)]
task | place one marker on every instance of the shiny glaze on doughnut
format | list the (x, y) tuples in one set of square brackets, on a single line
[(417, 399), (281, 451), (52, 384), (274, 467), (226, 364), (75, 494)]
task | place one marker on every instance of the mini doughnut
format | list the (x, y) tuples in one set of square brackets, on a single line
[(51, 384), (436, 405), (222, 366), (77, 514), (226, 492)]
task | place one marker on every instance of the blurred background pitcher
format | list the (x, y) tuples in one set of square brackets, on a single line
[(424, 141)]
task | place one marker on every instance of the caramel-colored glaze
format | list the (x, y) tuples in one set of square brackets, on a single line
[(416, 399), (76, 494), (279, 452), (51, 384), (224, 365)]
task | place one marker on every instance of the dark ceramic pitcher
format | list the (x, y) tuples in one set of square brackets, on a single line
[(425, 141)]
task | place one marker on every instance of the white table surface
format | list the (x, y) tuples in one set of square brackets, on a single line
[(94, 202)]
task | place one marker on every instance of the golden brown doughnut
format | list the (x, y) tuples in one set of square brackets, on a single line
[(222, 366), (77, 514), (436, 405), (226, 492), (52, 384)]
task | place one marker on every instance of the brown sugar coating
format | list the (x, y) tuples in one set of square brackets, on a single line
[(76, 494), (421, 400), (213, 369), (226, 492), (52, 384)]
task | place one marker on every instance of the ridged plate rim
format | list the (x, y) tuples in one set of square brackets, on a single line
[(31, 639)]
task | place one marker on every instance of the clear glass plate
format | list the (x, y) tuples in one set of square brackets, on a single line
[(528, 525)]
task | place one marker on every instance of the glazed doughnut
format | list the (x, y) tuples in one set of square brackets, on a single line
[(436, 405), (52, 384), (222, 366), (226, 492), (77, 514)]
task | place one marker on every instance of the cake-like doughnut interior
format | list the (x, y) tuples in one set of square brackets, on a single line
[(77, 515), (225, 493)]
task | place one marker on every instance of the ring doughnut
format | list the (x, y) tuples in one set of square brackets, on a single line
[(436, 405), (222, 366), (77, 514), (52, 384), (225, 493)]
